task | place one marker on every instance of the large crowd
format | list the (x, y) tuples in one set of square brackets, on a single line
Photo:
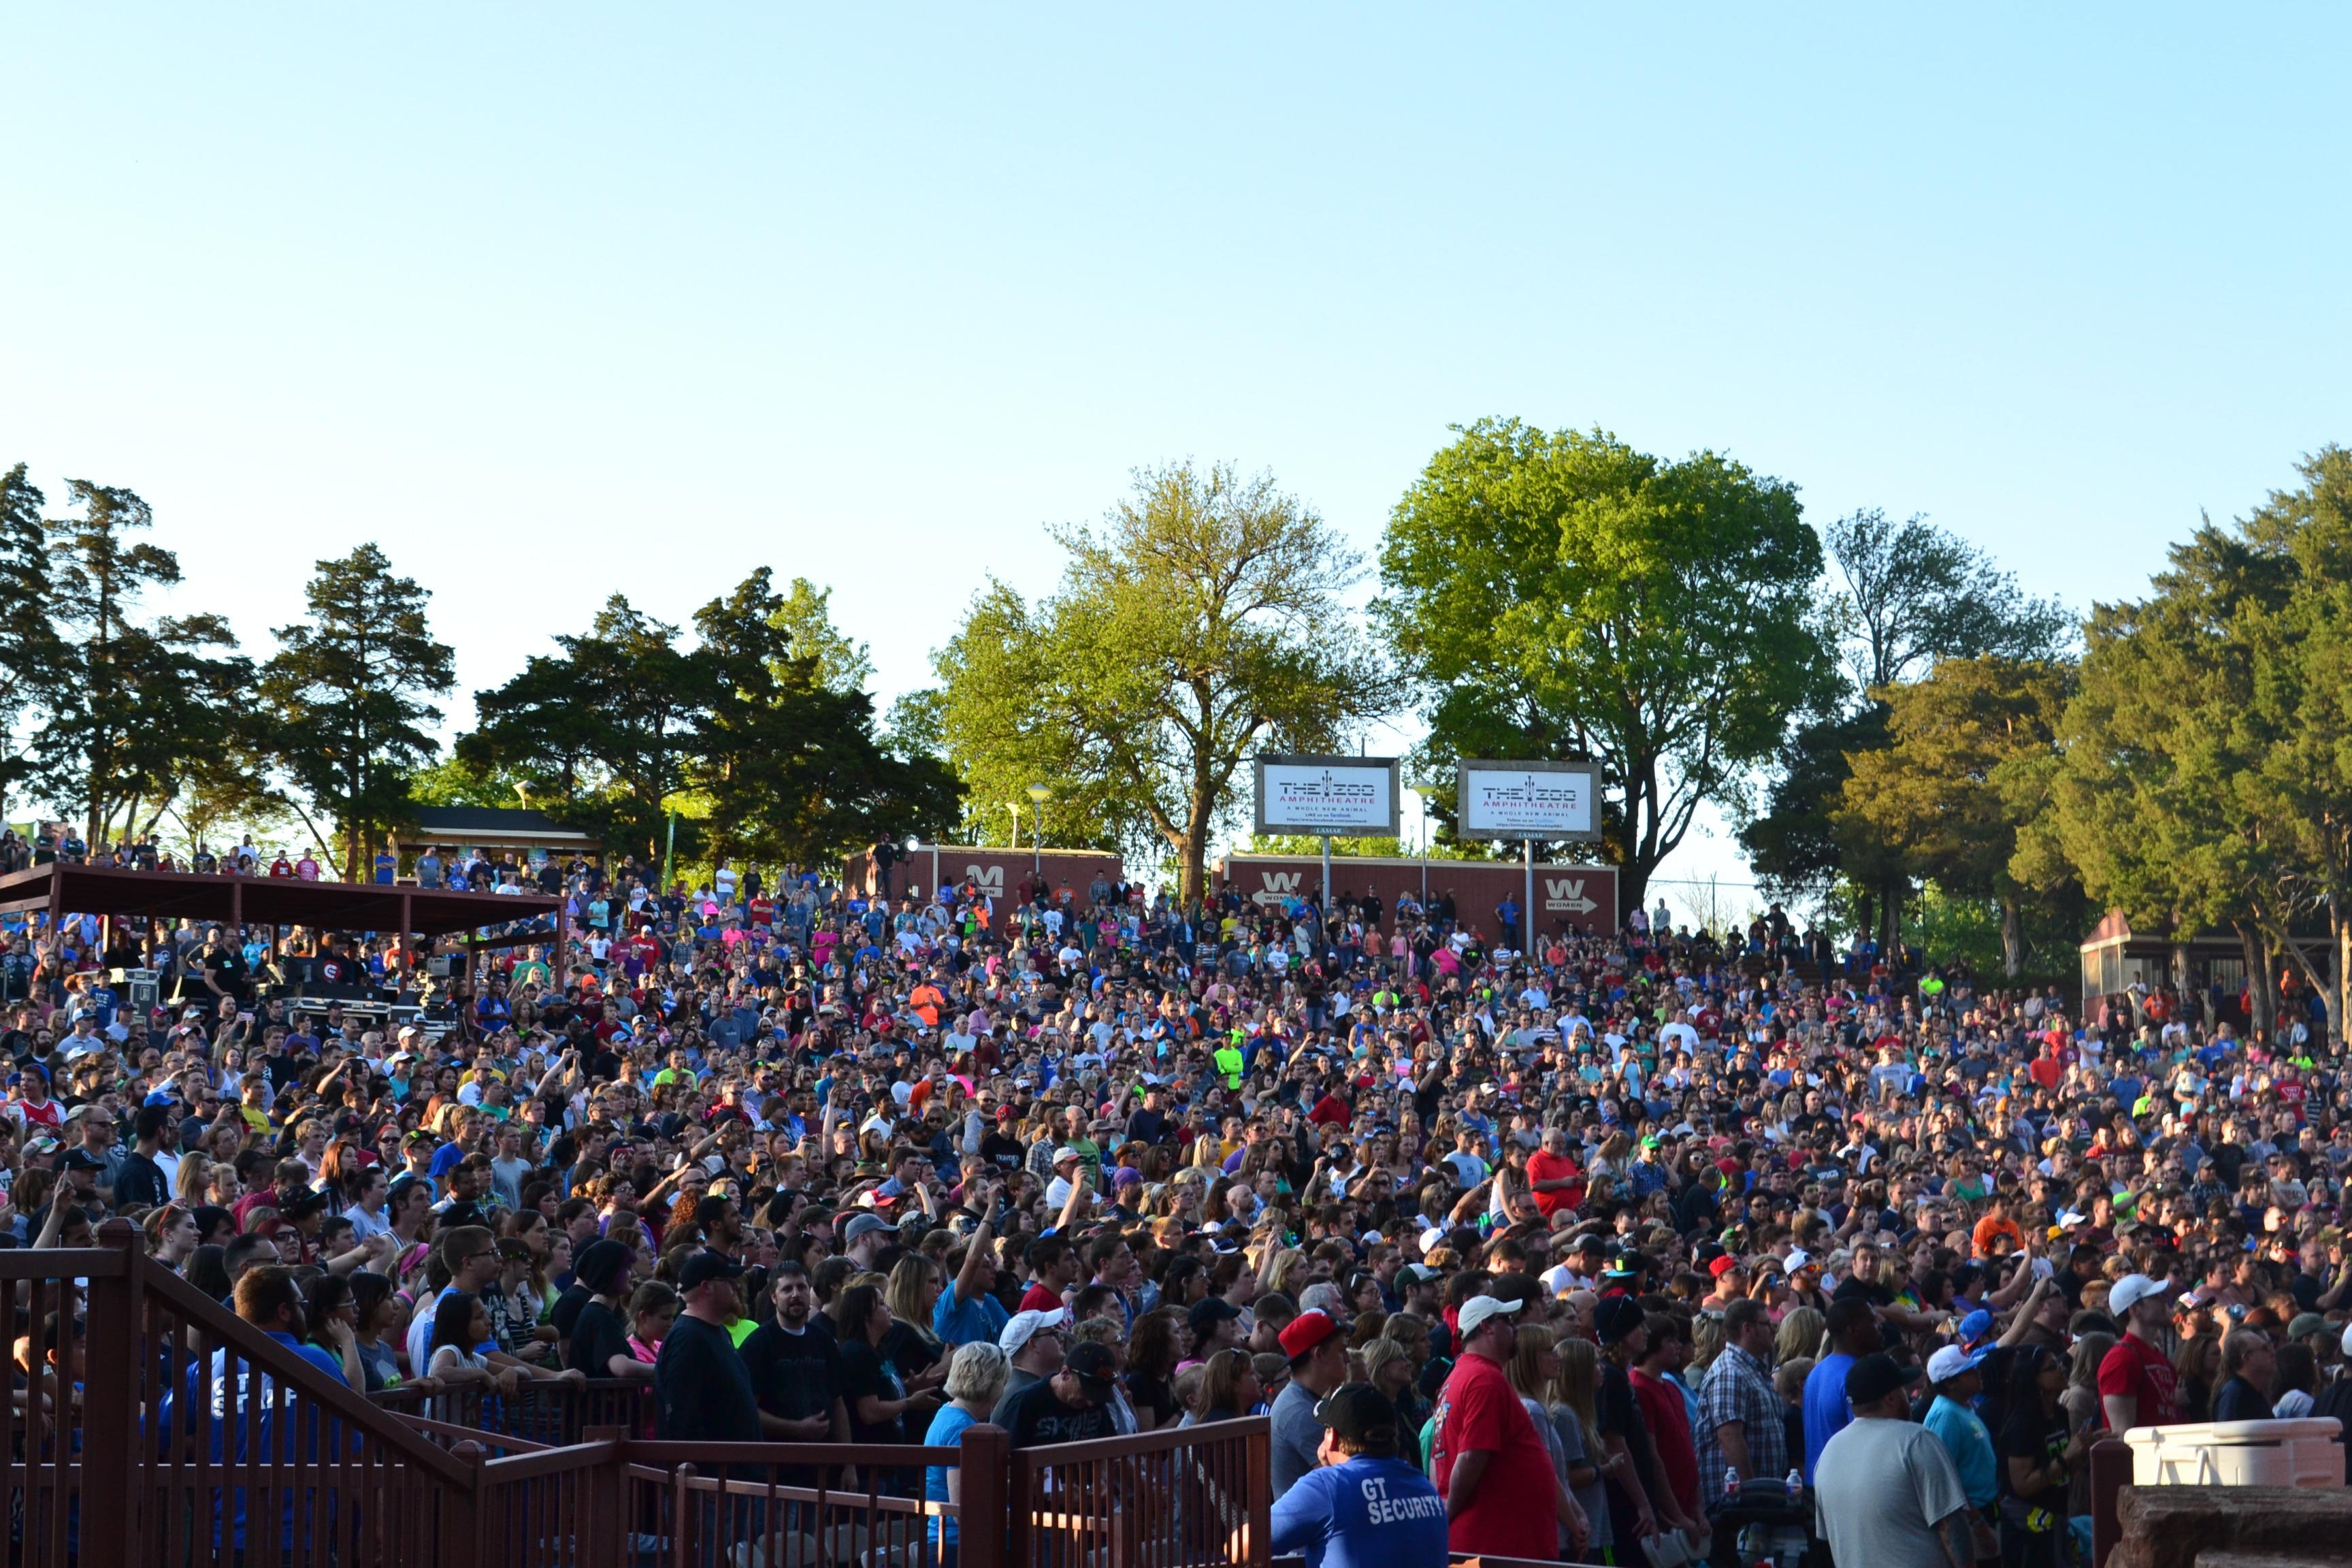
[(1655, 1247)]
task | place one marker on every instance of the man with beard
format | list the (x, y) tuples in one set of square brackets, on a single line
[(795, 1365)]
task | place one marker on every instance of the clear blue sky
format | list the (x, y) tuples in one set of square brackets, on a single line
[(551, 301)]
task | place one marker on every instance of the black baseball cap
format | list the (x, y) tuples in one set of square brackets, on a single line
[(706, 1266), (1210, 1310), (1362, 1417), (1874, 1377), (1094, 1366), (1615, 1318)]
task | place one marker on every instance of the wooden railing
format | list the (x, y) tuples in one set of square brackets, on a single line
[(538, 1416), (195, 1437), (1184, 1496)]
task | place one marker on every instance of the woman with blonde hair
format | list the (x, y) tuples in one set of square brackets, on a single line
[(910, 1292), (192, 1187), (1571, 1407), (1286, 1268), (1229, 1388), (975, 1382), (1798, 1335), (1388, 1366), (1706, 1343), (1533, 1370)]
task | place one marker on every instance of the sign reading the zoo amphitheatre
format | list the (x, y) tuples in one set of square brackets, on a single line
[(1351, 797), (1527, 800)]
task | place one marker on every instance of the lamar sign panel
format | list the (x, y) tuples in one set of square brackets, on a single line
[(1527, 800), (1353, 797), (1568, 898)]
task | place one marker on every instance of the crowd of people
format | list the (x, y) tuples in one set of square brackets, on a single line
[(1629, 1248)]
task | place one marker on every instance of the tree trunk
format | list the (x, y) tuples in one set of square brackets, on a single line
[(1890, 924), (1194, 849), (2255, 950), (2013, 937), (2339, 996)]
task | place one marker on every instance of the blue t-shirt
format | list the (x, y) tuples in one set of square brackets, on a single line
[(947, 1432), (1366, 1513), (1964, 1437), (957, 1322), (252, 1421), (1826, 1411)]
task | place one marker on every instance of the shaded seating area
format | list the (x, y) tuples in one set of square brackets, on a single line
[(463, 922)]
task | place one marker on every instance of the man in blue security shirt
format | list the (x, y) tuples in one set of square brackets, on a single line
[(1366, 1508)]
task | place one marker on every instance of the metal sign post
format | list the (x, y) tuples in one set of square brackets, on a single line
[(1323, 903), (1527, 909)]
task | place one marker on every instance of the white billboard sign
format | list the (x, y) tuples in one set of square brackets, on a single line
[(1351, 797), (1527, 800)]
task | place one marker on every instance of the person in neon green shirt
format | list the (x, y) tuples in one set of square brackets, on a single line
[(1229, 1062)]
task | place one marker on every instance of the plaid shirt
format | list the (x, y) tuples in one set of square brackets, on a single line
[(1738, 1390)]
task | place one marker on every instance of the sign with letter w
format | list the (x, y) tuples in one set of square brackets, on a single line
[(1567, 893), (1279, 887)]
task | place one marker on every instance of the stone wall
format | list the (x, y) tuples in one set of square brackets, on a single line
[(2183, 1527)]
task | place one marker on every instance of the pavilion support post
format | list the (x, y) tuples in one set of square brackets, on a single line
[(236, 909)]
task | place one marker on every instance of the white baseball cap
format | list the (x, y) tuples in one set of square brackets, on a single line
[(2131, 1290), (1951, 1361), (1022, 1327), (1478, 1309)]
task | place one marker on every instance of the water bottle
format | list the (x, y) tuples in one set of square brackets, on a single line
[(1731, 1483), (1796, 1484)]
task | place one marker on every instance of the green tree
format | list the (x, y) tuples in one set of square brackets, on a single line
[(2300, 726), (1935, 793), (805, 614), (133, 699), (1905, 594), (1792, 842), (1898, 596), (349, 687), (916, 725), (222, 789), (1202, 622), (1564, 595), (604, 730), (454, 781), (2149, 802), (32, 654), (1000, 721), (787, 756)]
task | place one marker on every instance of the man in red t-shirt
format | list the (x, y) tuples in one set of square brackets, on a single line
[(2046, 1068), (1557, 1181), (2136, 1379), (1489, 1463)]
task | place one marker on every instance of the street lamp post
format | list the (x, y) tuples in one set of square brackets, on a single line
[(1037, 794)]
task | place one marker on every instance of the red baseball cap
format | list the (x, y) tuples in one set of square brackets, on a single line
[(1723, 1265), (1304, 1332)]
